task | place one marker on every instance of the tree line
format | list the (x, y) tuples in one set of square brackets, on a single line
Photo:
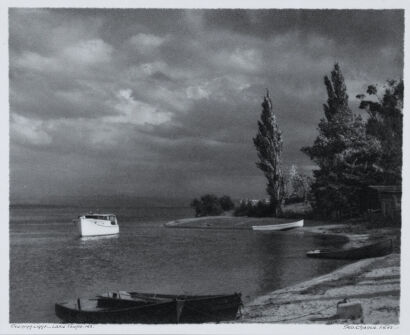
[(351, 153)]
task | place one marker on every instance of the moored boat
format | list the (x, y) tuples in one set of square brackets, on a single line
[(91, 311), (97, 224), (147, 308), (189, 308), (280, 226), (370, 250)]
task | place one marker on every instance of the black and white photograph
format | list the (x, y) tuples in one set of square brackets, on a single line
[(177, 166)]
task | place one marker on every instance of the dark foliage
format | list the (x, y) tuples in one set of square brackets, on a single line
[(260, 209), (210, 204), (385, 124), (294, 199), (344, 153), (226, 203)]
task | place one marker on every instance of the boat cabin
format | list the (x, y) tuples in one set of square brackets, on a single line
[(104, 217)]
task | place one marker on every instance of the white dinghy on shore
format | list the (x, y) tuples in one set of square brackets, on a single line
[(97, 224), (279, 226)]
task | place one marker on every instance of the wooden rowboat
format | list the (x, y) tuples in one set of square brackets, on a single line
[(371, 250), (280, 226), (91, 311), (189, 308), (133, 307)]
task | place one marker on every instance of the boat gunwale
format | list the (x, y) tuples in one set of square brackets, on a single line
[(108, 309), (279, 226), (130, 296)]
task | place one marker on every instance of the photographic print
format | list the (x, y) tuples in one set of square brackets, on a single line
[(221, 166)]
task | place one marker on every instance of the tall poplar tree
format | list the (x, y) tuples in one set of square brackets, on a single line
[(268, 143), (343, 153)]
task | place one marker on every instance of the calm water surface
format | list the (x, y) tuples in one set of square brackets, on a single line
[(50, 263)]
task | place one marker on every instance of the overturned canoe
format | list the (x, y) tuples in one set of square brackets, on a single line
[(146, 308), (280, 226), (371, 250)]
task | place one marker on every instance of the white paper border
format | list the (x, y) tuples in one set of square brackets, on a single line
[(6, 328)]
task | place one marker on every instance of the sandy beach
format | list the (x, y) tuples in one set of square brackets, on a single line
[(372, 282)]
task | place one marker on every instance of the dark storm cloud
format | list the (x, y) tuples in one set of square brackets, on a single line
[(367, 28), (165, 102)]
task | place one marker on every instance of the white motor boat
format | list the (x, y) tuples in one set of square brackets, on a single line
[(97, 224)]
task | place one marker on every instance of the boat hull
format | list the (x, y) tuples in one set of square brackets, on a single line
[(217, 309), (90, 227), (189, 309), (373, 250), (280, 226), (156, 313)]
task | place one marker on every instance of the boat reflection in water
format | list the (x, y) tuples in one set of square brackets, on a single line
[(99, 238)]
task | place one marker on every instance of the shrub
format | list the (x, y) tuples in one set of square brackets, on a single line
[(244, 209), (210, 204), (226, 203), (260, 209)]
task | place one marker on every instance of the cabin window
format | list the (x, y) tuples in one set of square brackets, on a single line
[(102, 217), (96, 217)]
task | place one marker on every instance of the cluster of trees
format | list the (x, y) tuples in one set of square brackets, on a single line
[(210, 204), (351, 152)]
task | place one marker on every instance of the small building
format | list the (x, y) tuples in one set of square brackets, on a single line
[(390, 201)]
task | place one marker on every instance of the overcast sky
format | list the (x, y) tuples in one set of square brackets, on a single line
[(165, 102)]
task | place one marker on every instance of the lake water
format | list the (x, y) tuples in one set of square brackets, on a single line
[(50, 263)]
